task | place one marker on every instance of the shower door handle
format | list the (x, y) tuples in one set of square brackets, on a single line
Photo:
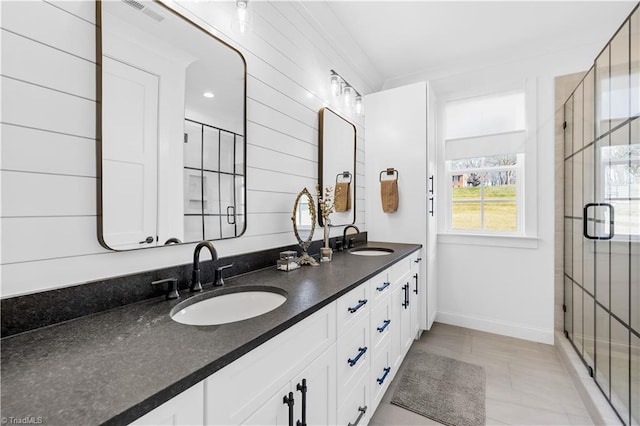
[(585, 229)]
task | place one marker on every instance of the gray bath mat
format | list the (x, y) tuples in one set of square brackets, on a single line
[(443, 389)]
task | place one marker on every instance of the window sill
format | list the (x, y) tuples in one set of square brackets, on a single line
[(511, 241)]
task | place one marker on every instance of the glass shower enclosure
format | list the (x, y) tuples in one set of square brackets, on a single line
[(602, 220)]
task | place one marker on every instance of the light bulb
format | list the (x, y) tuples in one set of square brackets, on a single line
[(335, 85), (358, 105), (243, 14), (348, 95)]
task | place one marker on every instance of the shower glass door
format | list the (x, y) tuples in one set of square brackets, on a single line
[(602, 221)]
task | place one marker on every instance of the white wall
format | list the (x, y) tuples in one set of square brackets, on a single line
[(48, 171), (508, 288)]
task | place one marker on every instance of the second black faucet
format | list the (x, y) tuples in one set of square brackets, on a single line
[(195, 277)]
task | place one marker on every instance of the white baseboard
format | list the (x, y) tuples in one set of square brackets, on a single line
[(432, 318), (519, 331)]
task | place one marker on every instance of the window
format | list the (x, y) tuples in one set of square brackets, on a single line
[(484, 193), (484, 154)]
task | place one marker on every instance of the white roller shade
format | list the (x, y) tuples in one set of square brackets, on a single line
[(485, 146)]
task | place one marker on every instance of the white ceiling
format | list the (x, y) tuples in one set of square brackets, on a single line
[(405, 38)]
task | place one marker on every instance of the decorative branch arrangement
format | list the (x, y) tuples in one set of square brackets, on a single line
[(327, 207)]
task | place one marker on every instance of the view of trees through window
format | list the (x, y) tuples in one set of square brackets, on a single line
[(621, 178), (484, 193)]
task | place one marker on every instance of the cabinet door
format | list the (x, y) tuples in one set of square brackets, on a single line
[(401, 337), (185, 409), (405, 316), (235, 391), (397, 296), (274, 412), (416, 296), (320, 381)]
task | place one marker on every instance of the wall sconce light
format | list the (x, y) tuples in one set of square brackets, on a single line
[(351, 97), (244, 15)]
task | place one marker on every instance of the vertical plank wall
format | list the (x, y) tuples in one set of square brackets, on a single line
[(48, 173)]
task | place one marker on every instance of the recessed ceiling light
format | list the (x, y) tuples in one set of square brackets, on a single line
[(208, 95)]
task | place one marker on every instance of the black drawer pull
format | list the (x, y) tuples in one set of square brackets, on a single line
[(405, 302), (288, 400), (416, 289), (360, 304), (418, 260), (353, 361), (302, 387), (384, 325), (362, 410), (380, 379), (383, 286)]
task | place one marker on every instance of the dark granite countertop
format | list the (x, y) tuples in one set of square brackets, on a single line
[(113, 367)]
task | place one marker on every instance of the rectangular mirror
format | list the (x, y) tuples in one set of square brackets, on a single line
[(337, 165), (171, 123)]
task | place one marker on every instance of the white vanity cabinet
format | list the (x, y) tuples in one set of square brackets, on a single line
[(335, 365), (253, 388)]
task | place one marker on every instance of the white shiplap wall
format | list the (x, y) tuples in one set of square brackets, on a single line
[(48, 173)]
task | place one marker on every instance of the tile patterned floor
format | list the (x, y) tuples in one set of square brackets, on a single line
[(527, 384)]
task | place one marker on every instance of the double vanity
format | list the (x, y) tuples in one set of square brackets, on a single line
[(330, 340)]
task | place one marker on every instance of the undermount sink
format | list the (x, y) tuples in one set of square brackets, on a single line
[(228, 305), (371, 251)]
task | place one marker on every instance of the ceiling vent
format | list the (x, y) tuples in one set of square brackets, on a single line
[(144, 9)]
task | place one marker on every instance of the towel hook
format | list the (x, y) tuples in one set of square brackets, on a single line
[(390, 171)]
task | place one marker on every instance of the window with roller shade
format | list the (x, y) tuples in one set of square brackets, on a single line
[(484, 153)]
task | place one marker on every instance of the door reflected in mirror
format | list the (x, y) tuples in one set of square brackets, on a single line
[(172, 139), (337, 165)]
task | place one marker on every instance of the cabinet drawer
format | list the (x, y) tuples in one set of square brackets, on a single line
[(399, 269), (381, 374), (353, 306), (234, 392), (379, 287), (354, 352), (355, 409), (381, 323)]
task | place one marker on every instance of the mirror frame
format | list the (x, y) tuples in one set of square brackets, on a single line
[(312, 211), (321, 151), (99, 123)]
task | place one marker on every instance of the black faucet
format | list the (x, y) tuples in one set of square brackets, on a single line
[(195, 277), (350, 243)]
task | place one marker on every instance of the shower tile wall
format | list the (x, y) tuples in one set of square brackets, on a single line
[(602, 220)]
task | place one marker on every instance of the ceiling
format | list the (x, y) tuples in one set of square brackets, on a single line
[(405, 38)]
